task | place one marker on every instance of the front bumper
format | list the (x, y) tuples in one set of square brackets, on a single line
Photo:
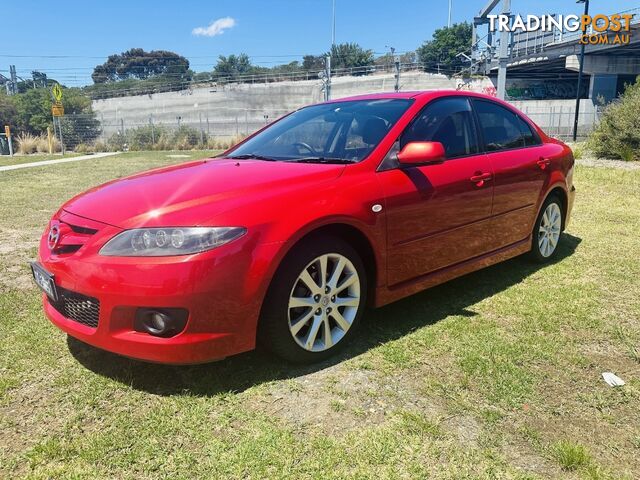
[(222, 290)]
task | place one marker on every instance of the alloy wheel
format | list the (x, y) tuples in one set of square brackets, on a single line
[(549, 231), (323, 302)]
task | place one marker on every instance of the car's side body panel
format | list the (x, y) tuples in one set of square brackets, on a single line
[(436, 216)]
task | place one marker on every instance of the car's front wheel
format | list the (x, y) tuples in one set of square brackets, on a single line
[(315, 302), (547, 230)]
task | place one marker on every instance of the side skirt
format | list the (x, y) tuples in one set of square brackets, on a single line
[(385, 295)]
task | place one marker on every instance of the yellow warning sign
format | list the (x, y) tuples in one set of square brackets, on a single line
[(57, 109), (56, 90)]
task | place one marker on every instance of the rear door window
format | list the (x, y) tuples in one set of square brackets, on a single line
[(530, 138), (499, 125)]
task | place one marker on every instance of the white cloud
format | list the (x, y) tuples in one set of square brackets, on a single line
[(217, 27)]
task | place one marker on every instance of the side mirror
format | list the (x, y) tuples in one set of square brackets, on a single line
[(421, 153)]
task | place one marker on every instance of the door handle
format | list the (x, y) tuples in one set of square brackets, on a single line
[(543, 162), (480, 178)]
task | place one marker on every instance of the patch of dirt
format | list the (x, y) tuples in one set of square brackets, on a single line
[(339, 399), (15, 255)]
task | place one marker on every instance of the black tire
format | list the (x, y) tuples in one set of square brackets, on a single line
[(536, 253), (273, 328)]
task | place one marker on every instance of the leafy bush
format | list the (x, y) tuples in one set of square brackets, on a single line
[(185, 138), (156, 137), (117, 142), (78, 129), (145, 137), (618, 133)]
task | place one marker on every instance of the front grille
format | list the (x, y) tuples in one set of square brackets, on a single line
[(83, 230), (77, 307)]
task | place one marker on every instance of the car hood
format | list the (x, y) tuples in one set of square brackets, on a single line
[(190, 194)]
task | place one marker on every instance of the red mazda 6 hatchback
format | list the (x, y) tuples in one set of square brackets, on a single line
[(288, 236)]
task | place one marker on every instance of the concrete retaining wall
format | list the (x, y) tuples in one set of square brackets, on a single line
[(239, 109)]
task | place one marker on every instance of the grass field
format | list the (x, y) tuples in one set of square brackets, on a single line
[(494, 375)]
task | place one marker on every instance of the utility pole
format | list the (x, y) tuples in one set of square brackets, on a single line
[(503, 54), (396, 65), (12, 86), (449, 21), (333, 24), (579, 86), (327, 78), (327, 62)]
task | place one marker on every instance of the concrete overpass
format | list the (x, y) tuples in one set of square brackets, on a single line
[(555, 56)]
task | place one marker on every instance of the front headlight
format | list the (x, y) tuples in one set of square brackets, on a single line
[(160, 242)]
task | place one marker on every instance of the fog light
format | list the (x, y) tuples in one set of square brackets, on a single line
[(165, 322)]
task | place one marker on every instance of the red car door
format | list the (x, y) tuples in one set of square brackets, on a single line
[(437, 215), (521, 167)]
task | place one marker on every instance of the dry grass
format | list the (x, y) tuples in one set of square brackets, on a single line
[(27, 143)]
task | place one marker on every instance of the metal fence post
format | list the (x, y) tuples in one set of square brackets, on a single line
[(50, 141), (201, 130), (62, 149), (153, 130)]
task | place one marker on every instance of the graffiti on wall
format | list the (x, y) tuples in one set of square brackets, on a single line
[(557, 89), (476, 85)]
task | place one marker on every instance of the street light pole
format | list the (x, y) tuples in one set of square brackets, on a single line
[(581, 68), (333, 24), (449, 21), (327, 60)]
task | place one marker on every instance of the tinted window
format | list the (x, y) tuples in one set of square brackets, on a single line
[(499, 126), (347, 130), (448, 121), (530, 138)]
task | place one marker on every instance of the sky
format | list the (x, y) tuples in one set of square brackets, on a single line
[(66, 39)]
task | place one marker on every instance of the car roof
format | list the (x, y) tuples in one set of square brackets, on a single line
[(412, 94)]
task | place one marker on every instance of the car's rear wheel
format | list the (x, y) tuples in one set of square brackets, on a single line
[(547, 231), (315, 302)]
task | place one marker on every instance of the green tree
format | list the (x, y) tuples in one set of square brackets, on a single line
[(233, 66), (33, 114), (313, 62), (350, 55), (34, 110), (442, 51), (137, 63), (8, 111), (387, 59), (343, 55)]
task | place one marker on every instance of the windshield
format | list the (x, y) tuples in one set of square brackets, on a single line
[(340, 132)]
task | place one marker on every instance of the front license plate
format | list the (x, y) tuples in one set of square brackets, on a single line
[(44, 280)]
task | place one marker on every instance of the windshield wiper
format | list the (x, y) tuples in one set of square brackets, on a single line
[(252, 156), (321, 160)]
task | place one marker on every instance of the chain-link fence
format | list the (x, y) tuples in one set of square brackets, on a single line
[(221, 128), (557, 118)]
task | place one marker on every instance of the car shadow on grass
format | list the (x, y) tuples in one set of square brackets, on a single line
[(237, 373)]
